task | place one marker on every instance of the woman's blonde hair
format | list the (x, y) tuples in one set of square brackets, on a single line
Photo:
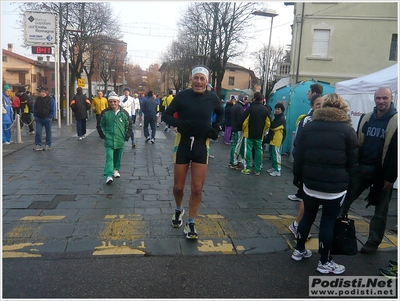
[(334, 100)]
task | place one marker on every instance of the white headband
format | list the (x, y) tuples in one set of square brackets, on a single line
[(201, 70)]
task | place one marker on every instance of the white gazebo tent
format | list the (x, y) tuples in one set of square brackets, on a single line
[(359, 92)]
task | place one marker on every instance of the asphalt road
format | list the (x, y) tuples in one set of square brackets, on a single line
[(190, 277)]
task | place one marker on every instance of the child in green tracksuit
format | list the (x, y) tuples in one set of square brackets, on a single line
[(275, 137), (115, 127)]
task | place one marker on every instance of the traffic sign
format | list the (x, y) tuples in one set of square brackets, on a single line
[(40, 28), (81, 82)]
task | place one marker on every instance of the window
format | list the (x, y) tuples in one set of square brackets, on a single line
[(231, 81), (44, 80), (33, 78), (5, 58), (393, 48), (53, 76), (320, 45)]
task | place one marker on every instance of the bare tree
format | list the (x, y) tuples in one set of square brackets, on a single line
[(216, 32), (277, 54)]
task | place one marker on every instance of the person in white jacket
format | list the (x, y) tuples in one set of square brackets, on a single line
[(128, 104)]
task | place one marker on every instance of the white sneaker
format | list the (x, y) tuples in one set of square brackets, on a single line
[(270, 170), (109, 180), (299, 255), (38, 148), (330, 267), (293, 229), (147, 139), (294, 197), (152, 141), (80, 138), (47, 147), (116, 174), (275, 173)]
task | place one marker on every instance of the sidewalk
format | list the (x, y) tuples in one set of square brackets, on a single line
[(57, 203)]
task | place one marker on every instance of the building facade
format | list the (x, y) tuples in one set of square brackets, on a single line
[(335, 41)]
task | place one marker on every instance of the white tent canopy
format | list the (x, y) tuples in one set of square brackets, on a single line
[(359, 92)]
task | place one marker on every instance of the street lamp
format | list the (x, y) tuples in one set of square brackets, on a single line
[(68, 30), (267, 13)]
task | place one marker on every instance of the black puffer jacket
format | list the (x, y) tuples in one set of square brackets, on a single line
[(236, 114), (327, 152)]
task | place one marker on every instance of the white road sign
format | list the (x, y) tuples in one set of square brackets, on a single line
[(40, 28)]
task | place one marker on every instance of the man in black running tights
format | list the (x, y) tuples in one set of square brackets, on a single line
[(194, 107)]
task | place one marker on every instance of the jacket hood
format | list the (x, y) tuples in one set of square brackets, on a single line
[(388, 114), (331, 114)]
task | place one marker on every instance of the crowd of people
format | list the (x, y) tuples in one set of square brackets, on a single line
[(333, 163)]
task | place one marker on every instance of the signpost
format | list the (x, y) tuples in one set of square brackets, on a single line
[(41, 29)]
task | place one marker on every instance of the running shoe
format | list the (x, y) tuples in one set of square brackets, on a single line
[(275, 174), (109, 180), (190, 231), (330, 267), (293, 229), (245, 171), (177, 218), (294, 197), (38, 148), (231, 165), (257, 173), (116, 174), (299, 255), (389, 272), (239, 166), (270, 170)]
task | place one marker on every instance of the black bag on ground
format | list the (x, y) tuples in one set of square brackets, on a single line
[(344, 237)]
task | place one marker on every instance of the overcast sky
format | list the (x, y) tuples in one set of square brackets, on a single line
[(149, 27)]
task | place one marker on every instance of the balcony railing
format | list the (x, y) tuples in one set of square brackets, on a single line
[(283, 69)]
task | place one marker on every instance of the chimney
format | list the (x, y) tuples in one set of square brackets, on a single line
[(10, 47), (40, 59)]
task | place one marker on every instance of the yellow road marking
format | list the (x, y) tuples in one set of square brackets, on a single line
[(42, 218), (208, 246), (11, 251), (107, 248), (124, 229)]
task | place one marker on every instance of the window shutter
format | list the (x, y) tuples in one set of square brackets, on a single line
[(321, 42)]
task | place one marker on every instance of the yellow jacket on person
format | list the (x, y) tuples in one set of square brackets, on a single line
[(99, 104)]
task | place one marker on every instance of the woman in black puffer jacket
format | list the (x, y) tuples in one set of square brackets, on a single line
[(325, 161)]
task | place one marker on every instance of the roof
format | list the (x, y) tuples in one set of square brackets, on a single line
[(21, 57)]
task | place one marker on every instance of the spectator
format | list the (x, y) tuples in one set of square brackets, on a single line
[(237, 135), (44, 110), (255, 121), (128, 104), (316, 103), (99, 104), (26, 109), (325, 162), (7, 115), (275, 137), (228, 120), (377, 137), (16, 105), (149, 109), (80, 104)]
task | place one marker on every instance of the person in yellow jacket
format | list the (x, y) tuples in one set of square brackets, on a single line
[(99, 104), (275, 137), (166, 102)]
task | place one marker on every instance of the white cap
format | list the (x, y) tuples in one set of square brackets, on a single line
[(201, 70)]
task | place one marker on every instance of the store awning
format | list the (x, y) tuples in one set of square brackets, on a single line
[(18, 70)]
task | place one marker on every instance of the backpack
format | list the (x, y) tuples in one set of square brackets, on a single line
[(43, 107)]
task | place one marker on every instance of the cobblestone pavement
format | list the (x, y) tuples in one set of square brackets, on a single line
[(57, 203)]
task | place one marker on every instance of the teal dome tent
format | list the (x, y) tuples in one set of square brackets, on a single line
[(294, 98)]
